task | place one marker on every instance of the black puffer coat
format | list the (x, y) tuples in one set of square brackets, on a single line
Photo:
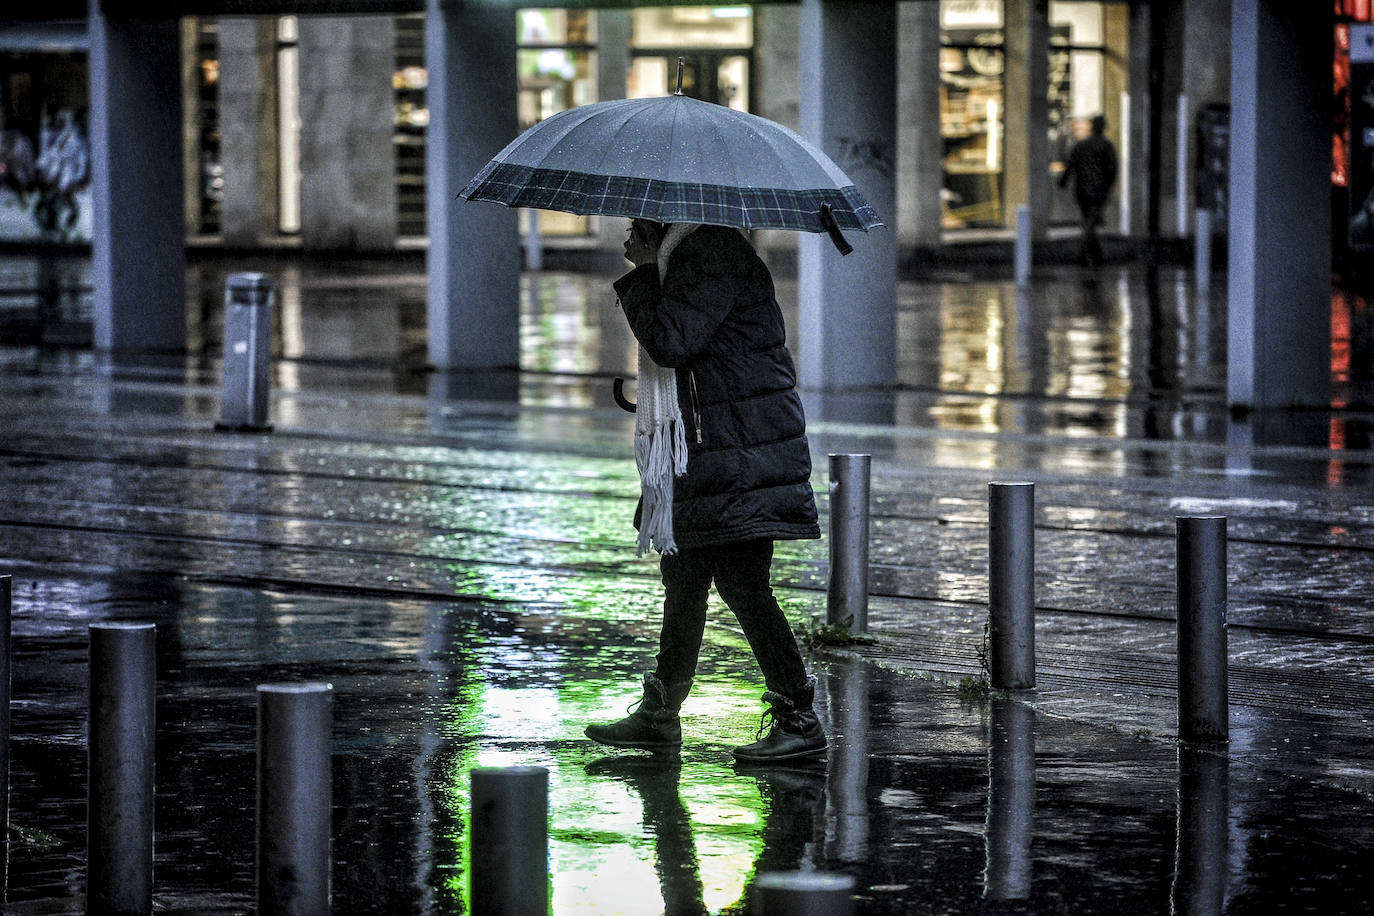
[(716, 321)]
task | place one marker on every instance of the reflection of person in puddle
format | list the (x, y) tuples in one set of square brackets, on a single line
[(720, 438), (656, 780), (795, 806)]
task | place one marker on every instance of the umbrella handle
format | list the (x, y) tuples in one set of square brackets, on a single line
[(832, 227), (618, 392)]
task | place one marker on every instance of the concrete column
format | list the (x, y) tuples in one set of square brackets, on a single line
[(1195, 69), (138, 264), (612, 68), (919, 145), (348, 176), (1279, 298), (777, 92), (190, 125), (1135, 182), (248, 129), (1116, 65), (474, 248), (848, 305), (1026, 176), (777, 70)]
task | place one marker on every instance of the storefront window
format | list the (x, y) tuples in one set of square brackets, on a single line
[(409, 82), (556, 63), (971, 111), (1076, 83), (288, 127), (972, 97), (44, 154), (714, 42)]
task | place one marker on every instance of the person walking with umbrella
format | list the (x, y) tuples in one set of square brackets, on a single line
[(701, 303), (1092, 165), (720, 435)]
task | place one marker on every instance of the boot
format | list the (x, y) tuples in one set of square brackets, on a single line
[(795, 733), (652, 723)]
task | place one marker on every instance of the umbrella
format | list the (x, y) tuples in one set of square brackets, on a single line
[(675, 159)]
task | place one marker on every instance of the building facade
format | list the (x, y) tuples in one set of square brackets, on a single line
[(311, 129), (341, 125)]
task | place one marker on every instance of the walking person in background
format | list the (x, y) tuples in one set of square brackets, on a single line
[(1092, 165), (720, 439)]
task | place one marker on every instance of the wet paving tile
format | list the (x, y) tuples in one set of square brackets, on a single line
[(934, 801), (458, 564)]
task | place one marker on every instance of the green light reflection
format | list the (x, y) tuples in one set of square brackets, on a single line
[(616, 820), (627, 834)]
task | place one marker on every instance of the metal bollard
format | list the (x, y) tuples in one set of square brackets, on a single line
[(293, 804), (804, 893), (6, 609), (1201, 572), (1022, 254), (847, 591), (120, 768), (247, 347), (1202, 251), (1011, 585), (1201, 854), (1011, 801), (509, 873)]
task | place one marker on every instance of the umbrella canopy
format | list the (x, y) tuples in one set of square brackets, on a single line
[(674, 159)]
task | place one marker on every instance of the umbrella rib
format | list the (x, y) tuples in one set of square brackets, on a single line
[(636, 113)]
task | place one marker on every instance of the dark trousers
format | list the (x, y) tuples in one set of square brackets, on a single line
[(741, 573), (1090, 249)]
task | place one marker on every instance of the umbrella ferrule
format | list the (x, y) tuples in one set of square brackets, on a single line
[(680, 64)]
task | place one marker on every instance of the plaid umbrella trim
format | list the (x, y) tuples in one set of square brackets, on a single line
[(669, 201)]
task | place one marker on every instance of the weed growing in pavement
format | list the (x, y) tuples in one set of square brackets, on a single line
[(32, 836), (978, 686), (974, 688), (816, 634)]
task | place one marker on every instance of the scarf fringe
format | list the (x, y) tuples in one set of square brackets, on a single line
[(660, 433)]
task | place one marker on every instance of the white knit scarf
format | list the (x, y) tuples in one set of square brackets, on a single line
[(660, 434)]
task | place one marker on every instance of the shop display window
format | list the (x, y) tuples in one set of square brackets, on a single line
[(972, 100), (288, 127), (971, 112), (409, 81), (44, 152), (714, 42), (556, 64)]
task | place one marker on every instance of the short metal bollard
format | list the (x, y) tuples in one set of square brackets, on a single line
[(847, 591), (509, 873), (247, 347), (804, 893), (1022, 254), (6, 613), (1011, 585), (293, 805), (120, 765), (1201, 572), (1202, 251)]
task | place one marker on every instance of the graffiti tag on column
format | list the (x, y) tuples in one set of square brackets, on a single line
[(859, 153)]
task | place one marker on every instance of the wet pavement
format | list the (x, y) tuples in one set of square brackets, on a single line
[(454, 555)]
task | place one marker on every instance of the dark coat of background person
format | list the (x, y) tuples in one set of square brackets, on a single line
[(1092, 165), (716, 321)]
